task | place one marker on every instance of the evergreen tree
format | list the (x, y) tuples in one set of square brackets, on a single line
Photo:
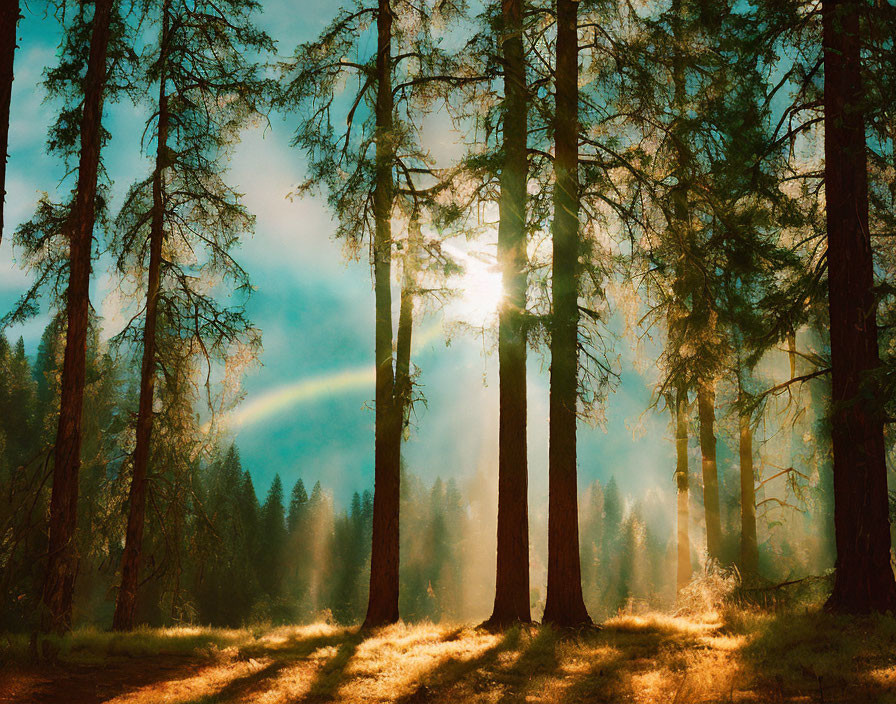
[(298, 501), (592, 523), (207, 88), (25, 472), (864, 575), (62, 556), (682, 486), (565, 606), (371, 168), (319, 551), (227, 581), (272, 540), (24, 497), (512, 571), (612, 552), (350, 554), (298, 553), (19, 404)]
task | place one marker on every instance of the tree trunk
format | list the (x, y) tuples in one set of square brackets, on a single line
[(62, 562), (9, 19), (512, 574), (565, 606), (405, 329), (382, 607), (126, 606), (706, 409), (680, 229), (864, 578), (749, 549), (682, 485), (791, 352)]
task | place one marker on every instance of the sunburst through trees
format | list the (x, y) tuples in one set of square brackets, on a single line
[(662, 230)]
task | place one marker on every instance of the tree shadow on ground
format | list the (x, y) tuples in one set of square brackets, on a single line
[(330, 677), (536, 662), (496, 671), (822, 657), (89, 684), (451, 671), (617, 655), (281, 657), (742, 656)]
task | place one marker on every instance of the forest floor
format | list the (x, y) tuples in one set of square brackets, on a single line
[(737, 656)]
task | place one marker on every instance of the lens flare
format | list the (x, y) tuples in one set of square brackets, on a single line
[(479, 290)]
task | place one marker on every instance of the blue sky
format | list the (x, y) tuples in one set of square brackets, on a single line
[(307, 406)]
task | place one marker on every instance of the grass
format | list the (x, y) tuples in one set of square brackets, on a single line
[(732, 656), (87, 646)]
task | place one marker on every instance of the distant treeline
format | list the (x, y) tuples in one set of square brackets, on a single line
[(217, 555), (720, 174)]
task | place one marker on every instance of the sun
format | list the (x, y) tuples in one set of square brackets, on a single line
[(478, 291)]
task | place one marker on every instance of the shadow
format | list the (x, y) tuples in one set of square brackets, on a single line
[(822, 657), (241, 688), (631, 651), (536, 662), (749, 656), (603, 682), (498, 626), (485, 675), (330, 677), (296, 648), (451, 671), (89, 684)]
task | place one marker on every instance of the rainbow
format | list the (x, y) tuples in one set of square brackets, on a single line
[(277, 400)]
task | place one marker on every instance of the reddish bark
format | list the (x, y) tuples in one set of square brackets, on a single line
[(749, 548), (126, 607), (864, 578), (382, 606), (62, 562), (706, 410), (403, 386), (565, 606), (9, 19), (682, 482), (512, 573)]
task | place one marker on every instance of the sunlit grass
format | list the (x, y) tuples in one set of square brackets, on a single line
[(90, 645), (732, 655)]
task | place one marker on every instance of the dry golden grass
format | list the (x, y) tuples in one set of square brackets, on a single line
[(735, 656)]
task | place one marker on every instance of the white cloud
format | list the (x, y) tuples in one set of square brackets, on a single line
[(291, 234), (29, 117)]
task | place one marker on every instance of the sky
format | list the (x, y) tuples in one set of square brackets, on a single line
[(307, 411)]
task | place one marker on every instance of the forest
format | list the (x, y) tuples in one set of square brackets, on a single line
[(620, 280)]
